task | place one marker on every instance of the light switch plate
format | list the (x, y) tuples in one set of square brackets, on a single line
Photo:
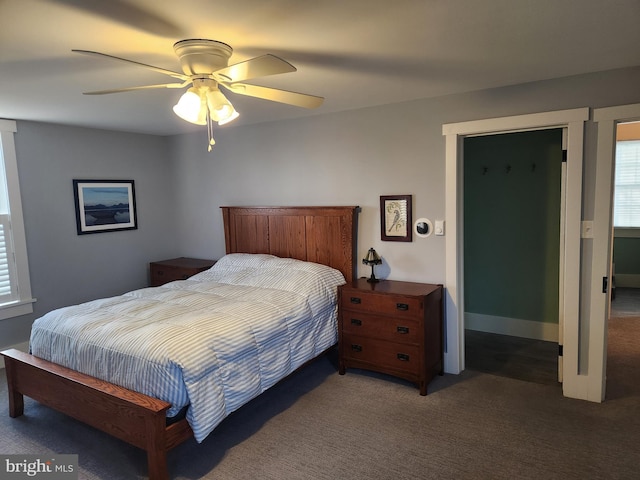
[(439, 228)]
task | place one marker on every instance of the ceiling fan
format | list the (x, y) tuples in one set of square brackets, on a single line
[(205, 64)]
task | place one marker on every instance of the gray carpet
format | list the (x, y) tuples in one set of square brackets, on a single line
[(320, 425), (626, 302)]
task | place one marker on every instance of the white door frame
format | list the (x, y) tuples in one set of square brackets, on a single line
[(607, 120), (574, 384)]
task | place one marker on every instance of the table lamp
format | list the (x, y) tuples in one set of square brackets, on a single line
[(372, 259)]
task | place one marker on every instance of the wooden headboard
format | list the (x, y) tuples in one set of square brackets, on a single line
[(323, 235)]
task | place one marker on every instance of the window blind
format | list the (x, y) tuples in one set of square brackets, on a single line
[(626, 210), (6, 258)]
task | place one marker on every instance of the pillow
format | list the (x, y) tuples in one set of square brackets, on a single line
[(268, 271)]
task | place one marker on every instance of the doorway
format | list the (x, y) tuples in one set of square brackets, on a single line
[(623, 329), (625, 279), (574, 383), (512, 201), (607, 120)]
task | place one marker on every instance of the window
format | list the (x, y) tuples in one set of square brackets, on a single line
[(626, 209), (15, 286)]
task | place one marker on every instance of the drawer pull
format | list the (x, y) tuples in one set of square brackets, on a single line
[(356, 348), (402, 306), (356, 300), (403, 330), (355, 321), (403, 357)]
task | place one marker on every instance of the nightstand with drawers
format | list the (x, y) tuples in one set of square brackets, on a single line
[(392, 327), (181, 268)]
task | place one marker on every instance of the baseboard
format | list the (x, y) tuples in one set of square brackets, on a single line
[(24, 346), (511, 326), (628, 280)]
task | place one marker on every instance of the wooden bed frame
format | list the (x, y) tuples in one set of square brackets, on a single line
[(318, 234)]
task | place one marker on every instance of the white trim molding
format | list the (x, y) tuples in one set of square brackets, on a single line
[(23, 304), (607, 120), (516, 327), (574, 381)]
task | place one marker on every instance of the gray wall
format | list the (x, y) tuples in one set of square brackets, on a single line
[(354, 157), (346, 158), (67, 268)]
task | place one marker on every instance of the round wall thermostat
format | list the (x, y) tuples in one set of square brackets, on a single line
[(423, 227)]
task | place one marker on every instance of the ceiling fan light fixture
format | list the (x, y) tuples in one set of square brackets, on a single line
[(189, 107), (204, 104), (205, 64), (220, 108), (233, 116)]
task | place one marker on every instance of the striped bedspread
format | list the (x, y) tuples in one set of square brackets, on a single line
[(212, 342)]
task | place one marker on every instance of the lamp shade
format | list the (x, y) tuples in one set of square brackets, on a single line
[(190, 107), (372, 258), (220, 108), (233, 116)]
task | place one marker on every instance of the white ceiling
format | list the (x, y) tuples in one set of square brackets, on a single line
[(355, 53)]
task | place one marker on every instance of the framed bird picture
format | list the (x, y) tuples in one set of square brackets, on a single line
[(395, 218)]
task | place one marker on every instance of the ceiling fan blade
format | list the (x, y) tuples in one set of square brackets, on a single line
[(156, 69), (256, 67), (144, 87), (283, 96)]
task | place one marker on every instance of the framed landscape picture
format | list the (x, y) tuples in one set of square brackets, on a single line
[(395, 218), (104, 205)]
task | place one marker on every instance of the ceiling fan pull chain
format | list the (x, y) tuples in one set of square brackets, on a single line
[(212, 142)]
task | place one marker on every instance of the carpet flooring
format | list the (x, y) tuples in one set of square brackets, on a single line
[(623, 347), (626, 303), (321, 425), (317, 424)]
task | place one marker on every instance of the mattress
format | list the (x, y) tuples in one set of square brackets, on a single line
[(209, 343)]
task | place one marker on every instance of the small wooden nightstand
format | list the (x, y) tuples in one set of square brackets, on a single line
[(392, 327), (177, 269)]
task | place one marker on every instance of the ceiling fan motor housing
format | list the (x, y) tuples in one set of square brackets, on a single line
[(201, 56)]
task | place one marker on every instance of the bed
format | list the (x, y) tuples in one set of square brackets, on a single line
[(280, 248)]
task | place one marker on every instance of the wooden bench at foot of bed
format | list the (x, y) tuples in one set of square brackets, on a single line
[(130, 416)]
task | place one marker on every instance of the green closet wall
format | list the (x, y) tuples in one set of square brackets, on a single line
[(512, 193), (626, 255)]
